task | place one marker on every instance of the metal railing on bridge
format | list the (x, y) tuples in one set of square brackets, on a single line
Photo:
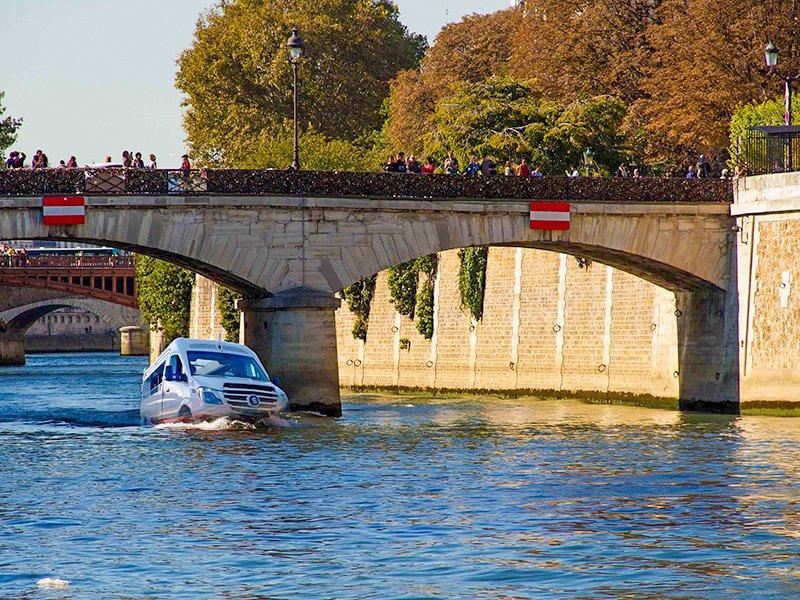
[(45, 262), (209, 182), (770, 149)]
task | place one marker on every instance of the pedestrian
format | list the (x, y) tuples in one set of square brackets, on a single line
[(451, 166), (429, 167), (473, 168), (153, 163), (138, 163), (537, 172), (572, 172), (725, 174), (400, 163), (488, 167), (637, 174), (703, 166), (391, 165), (127, 159), (691, 173), (61, 165), (413, 165), (509, 170), (72, 163), (524, 169), (622, 170), (20, 162), (11, 161), (39, 160), (185, 164)]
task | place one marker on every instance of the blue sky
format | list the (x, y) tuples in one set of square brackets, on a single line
[(95, 77)]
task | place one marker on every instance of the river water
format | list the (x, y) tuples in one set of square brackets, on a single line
[(401, 498)]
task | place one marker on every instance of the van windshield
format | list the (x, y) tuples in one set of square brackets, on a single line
[(221, 364)]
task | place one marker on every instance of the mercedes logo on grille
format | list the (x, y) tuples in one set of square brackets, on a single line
[(253, 401)]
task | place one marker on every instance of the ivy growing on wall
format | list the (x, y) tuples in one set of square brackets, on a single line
[(472, 279), (426, 267), (165, 296), (403, 287), (359, 297), (226, 305)]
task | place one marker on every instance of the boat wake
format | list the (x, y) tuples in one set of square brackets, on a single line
[(227, 424)]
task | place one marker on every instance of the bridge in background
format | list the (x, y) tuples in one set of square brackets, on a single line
[(108, 278), (289, 241)]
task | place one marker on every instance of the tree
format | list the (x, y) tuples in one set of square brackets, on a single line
[(165, 296), (750, 115), (237, 76), (707, 60), (471, 50), (506, 118), (8, 129)]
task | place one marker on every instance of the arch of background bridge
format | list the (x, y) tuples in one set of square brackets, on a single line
[(18, 320)]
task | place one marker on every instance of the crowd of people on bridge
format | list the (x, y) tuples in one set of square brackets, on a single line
[(129, 160), (10, 256)]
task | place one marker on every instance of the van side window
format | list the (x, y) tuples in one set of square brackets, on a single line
[(177, 365), (156, 377)]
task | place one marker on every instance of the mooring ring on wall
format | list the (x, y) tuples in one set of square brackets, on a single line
[(676, 374), (556, 327), (716, 376), (512, 365), (601, 368), (471, 328), (395, 329), (357, 362), (350, 362), (653, 326), (430, 364), (783, 285), (679, 313), (720, 312)]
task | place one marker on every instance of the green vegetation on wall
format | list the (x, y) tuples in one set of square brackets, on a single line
[(472, 279), (427, 267), (359, 298), (403, 287), (226, 304), (165, 296)]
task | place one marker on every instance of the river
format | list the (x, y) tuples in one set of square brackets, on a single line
[(401, 498)]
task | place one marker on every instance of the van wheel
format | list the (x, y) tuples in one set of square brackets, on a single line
[(185, 414)]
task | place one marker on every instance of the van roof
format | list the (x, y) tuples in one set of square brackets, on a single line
[(187, 344)]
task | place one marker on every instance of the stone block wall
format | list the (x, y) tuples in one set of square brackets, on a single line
[(549, 323)]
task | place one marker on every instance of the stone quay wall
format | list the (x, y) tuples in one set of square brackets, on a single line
[(549, 325)]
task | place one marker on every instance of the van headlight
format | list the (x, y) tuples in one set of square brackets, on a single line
[(209, 396)]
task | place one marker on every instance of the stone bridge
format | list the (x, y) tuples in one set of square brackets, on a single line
[(289, 242)]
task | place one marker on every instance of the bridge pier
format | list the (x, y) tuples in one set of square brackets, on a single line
[(294, 335), (12, 349), (708, 355), (134, 340)]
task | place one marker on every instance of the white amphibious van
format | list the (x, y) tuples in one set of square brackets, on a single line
[(195, 380)]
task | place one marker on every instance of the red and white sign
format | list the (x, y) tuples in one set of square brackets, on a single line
[(550, 216), (63, 210)]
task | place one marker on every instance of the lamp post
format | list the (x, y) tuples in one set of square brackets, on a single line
[(296, 46), (771, 57)]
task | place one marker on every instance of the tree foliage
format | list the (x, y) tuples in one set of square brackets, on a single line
[(472, 279), (358, 297), (226, 305), (8, 129), (165, 296), (403, 287), (427, 266), (238, 80)]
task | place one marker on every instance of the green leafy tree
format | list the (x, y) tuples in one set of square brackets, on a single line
[(8, 129), (226, 304), (165, 296), (403, 287), (506, 118), (472, 279), (237, 77), (359, 299)]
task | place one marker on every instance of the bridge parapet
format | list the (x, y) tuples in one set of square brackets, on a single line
[(109, 182)]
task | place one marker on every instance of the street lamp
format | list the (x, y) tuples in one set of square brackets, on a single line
[(296, 46), (771, 58)]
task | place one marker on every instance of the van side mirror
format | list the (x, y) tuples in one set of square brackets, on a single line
[(168, 374)]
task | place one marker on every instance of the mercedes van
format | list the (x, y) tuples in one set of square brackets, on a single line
[(196, 380)]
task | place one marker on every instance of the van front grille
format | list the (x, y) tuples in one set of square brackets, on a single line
[(236, 394)]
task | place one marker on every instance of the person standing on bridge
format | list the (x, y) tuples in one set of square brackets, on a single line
[(473, 168), (524, 169), (451, 166), (153, 163), (186, 166), (429, 167), (138, 163), (72, 163)]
